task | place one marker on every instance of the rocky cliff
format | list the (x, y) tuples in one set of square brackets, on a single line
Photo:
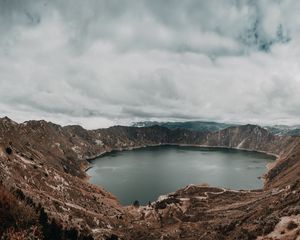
[(43, 165)]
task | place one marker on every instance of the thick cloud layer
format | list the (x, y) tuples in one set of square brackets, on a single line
[(99, 63)]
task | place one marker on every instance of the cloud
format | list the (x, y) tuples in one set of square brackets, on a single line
[(99, 63)]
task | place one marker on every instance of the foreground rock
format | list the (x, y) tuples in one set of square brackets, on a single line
[(43, 165)]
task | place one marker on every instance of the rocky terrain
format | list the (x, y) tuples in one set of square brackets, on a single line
[(42, 169)]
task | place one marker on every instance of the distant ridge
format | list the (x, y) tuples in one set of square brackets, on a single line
[(211, 126), (284, 130), (200, 126)]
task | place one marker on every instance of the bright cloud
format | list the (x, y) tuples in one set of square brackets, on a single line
[(99, 63)]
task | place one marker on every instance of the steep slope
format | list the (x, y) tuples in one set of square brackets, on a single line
[(44, 163)]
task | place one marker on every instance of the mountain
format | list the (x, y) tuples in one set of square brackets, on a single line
[(42, 172), (203, 126), (284, 130), (200, 126)]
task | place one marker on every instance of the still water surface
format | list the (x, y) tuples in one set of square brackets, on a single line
[(144, 174)]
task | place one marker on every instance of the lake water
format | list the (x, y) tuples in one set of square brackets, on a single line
[(145, 174)]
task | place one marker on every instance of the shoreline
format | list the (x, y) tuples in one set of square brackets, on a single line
[(268, 165), (89, 159)]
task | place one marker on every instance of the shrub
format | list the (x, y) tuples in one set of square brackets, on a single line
[(136, 203), (16, 218), (8, 150)]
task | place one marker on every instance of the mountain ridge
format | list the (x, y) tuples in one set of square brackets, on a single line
[(189, 125), (48, 161), (211, 126)]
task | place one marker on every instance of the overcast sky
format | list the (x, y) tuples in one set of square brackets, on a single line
[(99, 63)]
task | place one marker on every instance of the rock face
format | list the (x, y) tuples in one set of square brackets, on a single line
[(45, 164)]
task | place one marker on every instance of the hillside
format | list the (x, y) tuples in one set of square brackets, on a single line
[(43, 165)]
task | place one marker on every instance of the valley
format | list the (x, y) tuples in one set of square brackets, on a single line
[(43, 165)]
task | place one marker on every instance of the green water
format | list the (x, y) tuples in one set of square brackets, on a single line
[(147, 173)]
